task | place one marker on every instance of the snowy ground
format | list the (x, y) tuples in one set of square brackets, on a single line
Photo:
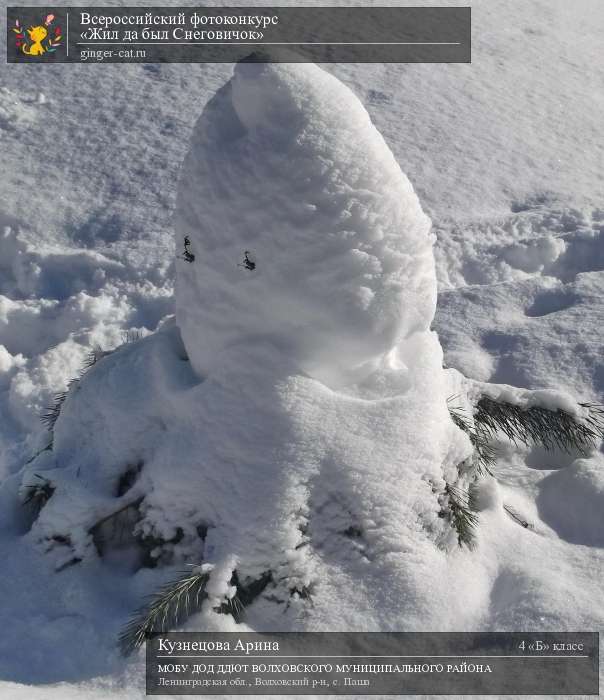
[(506, 155)]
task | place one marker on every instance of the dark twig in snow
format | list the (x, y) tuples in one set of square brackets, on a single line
[(517, 518), (48, 448), (247, 263), (187, 255)]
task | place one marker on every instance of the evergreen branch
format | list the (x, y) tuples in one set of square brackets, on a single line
[(463, 519), (129, 337), (484, 452), (38, 494), (97, 353), (116, 513), (174, 602), (50, 417), (595, 419), (541, 426), (165, 610), (534, 425), (52, 412), (48, 448)]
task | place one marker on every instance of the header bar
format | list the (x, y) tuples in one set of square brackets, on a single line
[(228, 34)]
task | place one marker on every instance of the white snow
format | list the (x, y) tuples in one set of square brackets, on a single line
[(505, 155), (258, 447), (286, 164)]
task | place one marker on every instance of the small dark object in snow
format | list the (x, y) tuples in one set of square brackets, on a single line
[(38, 494), (187, 254), (521, 521), (247, 263)]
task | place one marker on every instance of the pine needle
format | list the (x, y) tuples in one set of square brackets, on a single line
[(52, 412), (484, 452), (462, 518), (38, 494), (50, 417), (529, 426), (97, 353), (541, 426), (131, 337), (174, 602)]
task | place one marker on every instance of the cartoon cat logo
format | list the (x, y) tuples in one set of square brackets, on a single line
[(37, 40)]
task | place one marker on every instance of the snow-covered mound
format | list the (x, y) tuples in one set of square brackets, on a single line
[(255, 471), (286, 168), (224, 451)]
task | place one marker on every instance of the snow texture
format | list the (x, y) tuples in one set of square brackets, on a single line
[(255, 447), (286, 164)]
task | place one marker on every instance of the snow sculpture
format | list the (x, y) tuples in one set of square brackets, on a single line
[(321, 347), (307, 444), (286, 167)]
